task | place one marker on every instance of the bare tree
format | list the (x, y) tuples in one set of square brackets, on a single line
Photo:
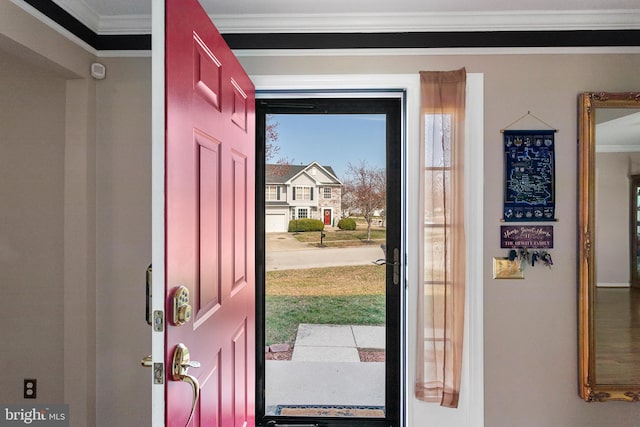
[(272, 149), (365, 190)]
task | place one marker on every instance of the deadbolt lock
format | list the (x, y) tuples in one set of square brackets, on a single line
[(181, 308)]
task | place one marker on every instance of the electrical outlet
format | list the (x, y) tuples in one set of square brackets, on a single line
[(30, 388)]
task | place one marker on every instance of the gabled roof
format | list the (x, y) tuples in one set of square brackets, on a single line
[(283, 173)]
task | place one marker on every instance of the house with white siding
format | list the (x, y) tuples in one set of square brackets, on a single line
[(301, 191)]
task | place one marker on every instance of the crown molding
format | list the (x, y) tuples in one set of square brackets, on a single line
[(81, 11), (616, 50), (375, 22), (429, 22), (129, 24), (619, 30)]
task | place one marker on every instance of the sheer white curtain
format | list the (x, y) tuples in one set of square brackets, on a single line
[(441, 295)]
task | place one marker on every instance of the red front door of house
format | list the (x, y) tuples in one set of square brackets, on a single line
[(327, 217), (209, 225)]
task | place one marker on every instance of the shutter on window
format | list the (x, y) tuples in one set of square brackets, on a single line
[(294, 194), (278, 193), (311, 190)]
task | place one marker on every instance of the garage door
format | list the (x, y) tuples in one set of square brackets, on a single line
[(275, 223)]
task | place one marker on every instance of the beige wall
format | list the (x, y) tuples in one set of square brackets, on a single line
[(123, 224), (530, 327), (31, 229)]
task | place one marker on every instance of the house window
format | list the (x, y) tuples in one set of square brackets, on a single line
[(302, 193), (327, 192), (303, 213), (272, 192)]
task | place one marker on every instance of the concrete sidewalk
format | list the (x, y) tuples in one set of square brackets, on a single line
[(322, 257), (326, 370), (335, 343)]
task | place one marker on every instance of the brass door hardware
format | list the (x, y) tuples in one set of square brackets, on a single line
[(147, 361), (179, 372), (181, 308), (158, 369)]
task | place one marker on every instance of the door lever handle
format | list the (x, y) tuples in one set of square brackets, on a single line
[(383, 261), (191, 364), (179, 372), (147, 361), (395, 264)]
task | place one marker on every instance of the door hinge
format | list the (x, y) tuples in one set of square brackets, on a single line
[(158, 373), (158, 321)]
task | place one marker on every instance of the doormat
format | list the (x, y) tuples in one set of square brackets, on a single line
[(330, 411)]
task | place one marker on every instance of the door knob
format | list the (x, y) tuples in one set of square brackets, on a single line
[(179, 372)]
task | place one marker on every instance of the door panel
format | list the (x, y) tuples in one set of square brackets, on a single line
[(209, 193)]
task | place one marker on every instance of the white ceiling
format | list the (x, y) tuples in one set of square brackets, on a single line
[(620, 134), (255, 16)]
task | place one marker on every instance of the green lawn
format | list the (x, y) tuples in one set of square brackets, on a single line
[(336, 295), (342, 238)]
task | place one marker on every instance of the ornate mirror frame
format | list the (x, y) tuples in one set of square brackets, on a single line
[(589, 389)]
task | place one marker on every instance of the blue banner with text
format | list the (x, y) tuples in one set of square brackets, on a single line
[(529, 175)]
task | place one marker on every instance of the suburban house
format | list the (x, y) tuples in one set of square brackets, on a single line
[(76, 213), (301, 191)]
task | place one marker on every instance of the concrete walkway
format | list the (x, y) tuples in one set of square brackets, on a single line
[(335, 343), (325, 369)]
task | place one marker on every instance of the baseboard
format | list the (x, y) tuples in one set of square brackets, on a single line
[(613, 285)]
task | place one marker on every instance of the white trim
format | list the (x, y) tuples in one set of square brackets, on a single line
[(123, 54), (474, 320), (319, 84), (84, 13), (305, 171), (53, 25), (526, 20), (440, 51), (157, 201), (613, 285), (617, 148), (124, 24)]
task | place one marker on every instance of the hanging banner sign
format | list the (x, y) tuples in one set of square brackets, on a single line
[(526, 236), (529, 175)]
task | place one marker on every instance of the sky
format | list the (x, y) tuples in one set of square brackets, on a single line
[(332, 139)]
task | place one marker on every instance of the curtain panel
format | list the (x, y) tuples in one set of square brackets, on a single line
[(442, 291)]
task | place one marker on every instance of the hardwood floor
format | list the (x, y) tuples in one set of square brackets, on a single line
[(617, 325)]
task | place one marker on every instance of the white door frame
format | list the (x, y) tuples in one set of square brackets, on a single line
[(416, 413), (157, 199)]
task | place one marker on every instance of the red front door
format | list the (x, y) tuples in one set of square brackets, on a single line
[(209, 222), (327, 217)]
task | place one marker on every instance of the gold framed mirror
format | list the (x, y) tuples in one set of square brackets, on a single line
[(608, 213)]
